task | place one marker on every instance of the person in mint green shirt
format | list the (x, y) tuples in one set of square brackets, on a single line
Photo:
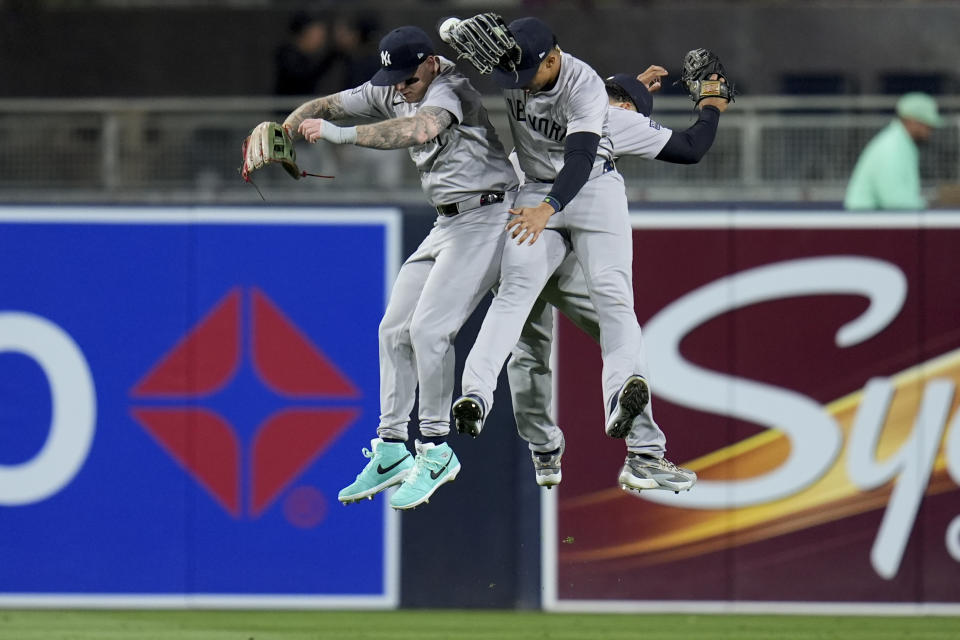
[(887, 174)]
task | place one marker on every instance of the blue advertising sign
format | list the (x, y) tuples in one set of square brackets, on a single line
[(183, 391)]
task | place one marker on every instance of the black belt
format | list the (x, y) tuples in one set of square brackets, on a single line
[(481, 200), (606, 167)]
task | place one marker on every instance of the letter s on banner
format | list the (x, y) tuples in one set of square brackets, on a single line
[(815, 439), (73, 414)]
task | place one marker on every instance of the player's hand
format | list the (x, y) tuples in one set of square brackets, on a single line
[(314, 129), (651, 78), (529, 222), (311, 129), (720, 103)]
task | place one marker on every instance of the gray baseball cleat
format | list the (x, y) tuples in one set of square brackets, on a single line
[(641, 471), (546, 466), (627, 405), (469, 412)]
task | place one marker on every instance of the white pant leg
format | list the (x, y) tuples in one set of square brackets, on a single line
[(398, 367), (529, 369), (531, 380), (567, 291), (524, 269), (599, 226), (468, 249)]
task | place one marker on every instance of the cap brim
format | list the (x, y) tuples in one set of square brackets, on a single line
[(390, 77), (514, 79), (934, 121)]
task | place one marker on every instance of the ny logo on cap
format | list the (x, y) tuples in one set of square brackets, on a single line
[(385, 58)]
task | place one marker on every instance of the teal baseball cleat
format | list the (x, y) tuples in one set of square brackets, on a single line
[(435, 465), (390, 463)]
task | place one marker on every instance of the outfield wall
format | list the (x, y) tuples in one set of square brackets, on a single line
[(806, 366), (184, 390)]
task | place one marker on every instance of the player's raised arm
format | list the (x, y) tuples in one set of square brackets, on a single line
[(397, 133), (635, 134), (705, 80), (328, 108)]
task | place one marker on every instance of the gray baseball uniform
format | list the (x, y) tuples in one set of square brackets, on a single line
[(531, 383), (595, 225), (441, 283)]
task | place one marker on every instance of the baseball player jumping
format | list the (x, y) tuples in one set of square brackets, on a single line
[(531, 384), (573, 199), (425, 105)]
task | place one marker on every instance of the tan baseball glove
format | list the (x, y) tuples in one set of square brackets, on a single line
[(268, 143)]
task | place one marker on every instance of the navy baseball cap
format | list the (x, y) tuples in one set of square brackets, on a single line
[(401, 52), (535, 40), (638, 93)]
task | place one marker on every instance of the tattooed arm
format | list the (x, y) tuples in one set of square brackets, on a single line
[(400, 133), (396, 133), (329, 108)]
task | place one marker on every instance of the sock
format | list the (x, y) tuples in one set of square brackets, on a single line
[(394, 440), (437, 440)]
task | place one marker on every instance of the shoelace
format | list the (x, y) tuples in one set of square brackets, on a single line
[(366, 454), (669, 466), (662, 463), (422, 462)]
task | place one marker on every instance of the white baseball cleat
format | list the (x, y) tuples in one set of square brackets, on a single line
[(641, 471), (546, 466)]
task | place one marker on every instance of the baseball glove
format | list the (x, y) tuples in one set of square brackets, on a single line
[(698, 66), (482, 40), (266, 144)]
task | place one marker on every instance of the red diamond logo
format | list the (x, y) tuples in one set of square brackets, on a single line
[(204, 362)]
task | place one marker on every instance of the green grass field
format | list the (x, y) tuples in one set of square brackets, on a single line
[(456, 625)]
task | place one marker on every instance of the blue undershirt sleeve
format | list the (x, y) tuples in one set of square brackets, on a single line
[(688, 147), (579, 152)]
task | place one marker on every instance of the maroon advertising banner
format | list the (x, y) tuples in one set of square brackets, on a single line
[(806, 367)]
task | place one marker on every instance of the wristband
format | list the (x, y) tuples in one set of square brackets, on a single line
[(338, 135), (553, 202)]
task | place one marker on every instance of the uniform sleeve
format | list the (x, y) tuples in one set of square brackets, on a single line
[(586, 106), (442, 94), (366, 101), (634, 134)]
